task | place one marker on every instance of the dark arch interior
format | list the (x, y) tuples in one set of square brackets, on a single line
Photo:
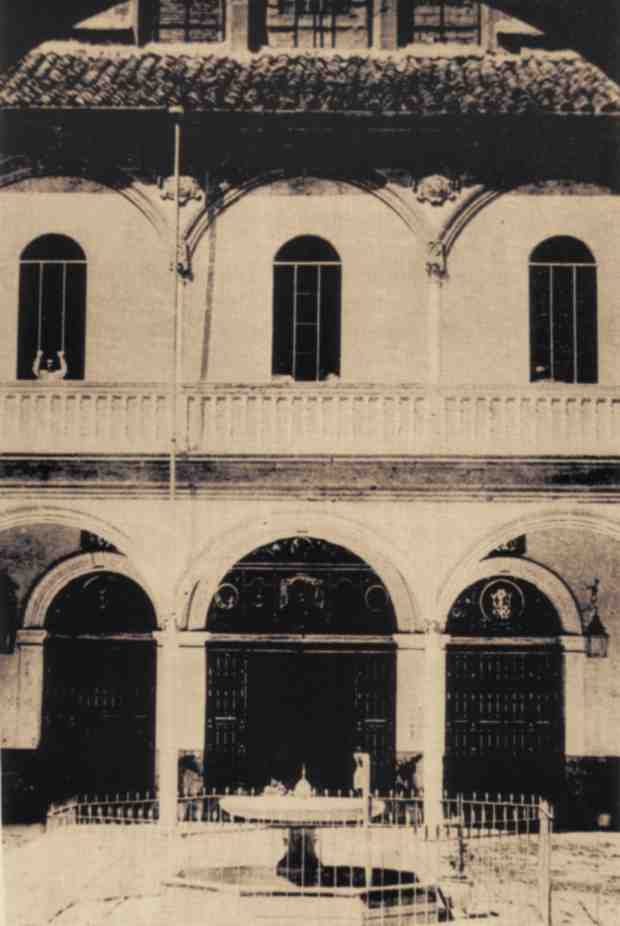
[(562, 249), (98, 731), (307, 248), (301, 690), (53, 247), (302, 585), (503, 606), (101, 603)]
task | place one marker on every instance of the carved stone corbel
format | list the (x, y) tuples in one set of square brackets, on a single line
[(189, 189), (436, 261)]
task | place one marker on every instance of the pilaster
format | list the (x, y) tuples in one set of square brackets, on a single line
[(574, 695), (165, 723), (434, 723), (30, 649)]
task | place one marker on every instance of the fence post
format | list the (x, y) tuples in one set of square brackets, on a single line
[(545, 817)]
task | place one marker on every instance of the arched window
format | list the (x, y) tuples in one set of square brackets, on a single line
[(563, 329), (306, 309), (52, 306)]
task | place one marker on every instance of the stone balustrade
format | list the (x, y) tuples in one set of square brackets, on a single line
[(399, 420)]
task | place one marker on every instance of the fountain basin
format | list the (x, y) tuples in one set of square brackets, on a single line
[(340, 893), (289, 810)]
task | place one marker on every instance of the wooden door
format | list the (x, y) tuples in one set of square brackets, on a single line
[(98, 732), (374, 692), (504, 719), (226, 749)]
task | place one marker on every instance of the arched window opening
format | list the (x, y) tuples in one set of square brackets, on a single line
[(52, 309), (306, 310), (563, 323)]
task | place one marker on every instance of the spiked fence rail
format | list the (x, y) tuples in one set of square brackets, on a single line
[(488, 856)]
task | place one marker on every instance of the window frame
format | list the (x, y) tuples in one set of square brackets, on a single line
[(407, 27), (322, 364), (578, 292), (75, 370), (188, 25)]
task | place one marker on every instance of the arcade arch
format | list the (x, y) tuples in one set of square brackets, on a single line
[(301, 668)]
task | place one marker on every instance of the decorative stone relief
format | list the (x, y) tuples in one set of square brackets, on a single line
[(189, 189), (437, 189)]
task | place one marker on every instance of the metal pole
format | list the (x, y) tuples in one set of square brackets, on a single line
[(167, 652), (176, 373)]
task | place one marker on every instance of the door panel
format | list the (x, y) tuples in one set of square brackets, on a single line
[(226, 751), (99, 716), (504, 719), (292, 707)]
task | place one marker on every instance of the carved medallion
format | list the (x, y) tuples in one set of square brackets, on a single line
[(226, 597), (502, 601)]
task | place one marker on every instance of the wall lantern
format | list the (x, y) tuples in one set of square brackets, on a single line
[(597, 638)]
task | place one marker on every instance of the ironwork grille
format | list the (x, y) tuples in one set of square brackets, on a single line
[(190, 21), (445, 21), (320, 23), (563, 312)]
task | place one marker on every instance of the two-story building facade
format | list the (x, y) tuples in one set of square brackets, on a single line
[(309, 402)]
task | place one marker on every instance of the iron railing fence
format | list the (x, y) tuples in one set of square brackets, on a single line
[(487, 856), (127, 808)]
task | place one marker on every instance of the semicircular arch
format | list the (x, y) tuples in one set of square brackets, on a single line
[(136, 193), (200, 583), (54, 581), (374, 185), (545, 580)]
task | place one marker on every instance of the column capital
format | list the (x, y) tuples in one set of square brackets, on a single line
[(30, 637)]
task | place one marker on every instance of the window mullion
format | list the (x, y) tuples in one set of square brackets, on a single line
[(295, 298), (574, 315), (318, 322), (40, 309), (551, 326), (63, 308)]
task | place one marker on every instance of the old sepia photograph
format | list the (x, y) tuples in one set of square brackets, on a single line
[(309, 462)]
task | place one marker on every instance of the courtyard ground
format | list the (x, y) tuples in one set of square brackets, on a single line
[(87, 877)]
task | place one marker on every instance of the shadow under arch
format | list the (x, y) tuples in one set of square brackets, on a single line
[(373, 183), (199, 583)]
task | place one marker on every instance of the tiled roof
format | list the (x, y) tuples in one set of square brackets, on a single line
[(81, 76)]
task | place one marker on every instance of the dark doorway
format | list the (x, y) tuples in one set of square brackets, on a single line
[(303, 672), (99, 717), (288, 707), (98, 733), (504, 720)]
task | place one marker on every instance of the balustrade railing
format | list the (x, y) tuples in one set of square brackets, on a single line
[(302, 419)]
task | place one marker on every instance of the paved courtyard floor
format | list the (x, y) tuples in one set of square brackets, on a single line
[(88, 878)]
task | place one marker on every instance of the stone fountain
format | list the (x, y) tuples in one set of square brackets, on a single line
[(300, 884)]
